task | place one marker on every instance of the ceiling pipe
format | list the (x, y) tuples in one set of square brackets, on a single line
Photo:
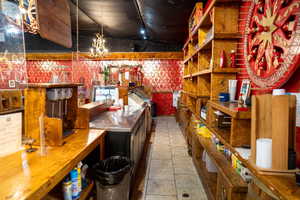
[(138, 9)]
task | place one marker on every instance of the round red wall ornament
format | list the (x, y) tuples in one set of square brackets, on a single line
[(272, 41)]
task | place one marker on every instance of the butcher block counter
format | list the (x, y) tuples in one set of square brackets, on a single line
[(31, 176)]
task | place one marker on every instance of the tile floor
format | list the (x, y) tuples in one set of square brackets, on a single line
[(170, 172)]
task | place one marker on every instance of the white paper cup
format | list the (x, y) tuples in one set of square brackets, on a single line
[(277, 92), (232, 89)]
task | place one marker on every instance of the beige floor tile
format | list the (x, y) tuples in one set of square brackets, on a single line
[(160, 187), (161, 155), (183, 161), (185, 169), (157, 197), (180, 152), (187, 181), (161, 169), (171, 171)]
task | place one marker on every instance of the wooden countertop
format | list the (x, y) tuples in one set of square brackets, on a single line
[(31, 176)]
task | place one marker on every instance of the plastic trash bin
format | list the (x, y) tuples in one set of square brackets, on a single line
[(113, 177)]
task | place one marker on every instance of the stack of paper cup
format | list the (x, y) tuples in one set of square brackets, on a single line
[(264, 153), (232, 89)]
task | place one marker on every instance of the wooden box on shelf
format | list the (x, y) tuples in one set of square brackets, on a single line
[(274, 117), (59, 109), (239, 132)]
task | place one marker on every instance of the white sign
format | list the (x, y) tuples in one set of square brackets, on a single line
[(126, 75), (10, 133)]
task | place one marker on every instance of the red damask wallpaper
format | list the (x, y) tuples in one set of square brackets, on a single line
[(163, 76)]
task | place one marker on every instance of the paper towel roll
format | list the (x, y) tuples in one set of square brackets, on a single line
[(264, 153), (232, 89)]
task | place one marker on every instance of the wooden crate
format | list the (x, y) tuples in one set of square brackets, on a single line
[(274, 117)]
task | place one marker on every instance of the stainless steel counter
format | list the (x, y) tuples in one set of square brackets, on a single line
[(118, 121)]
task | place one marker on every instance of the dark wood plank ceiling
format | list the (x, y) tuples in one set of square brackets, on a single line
[(164, 20)]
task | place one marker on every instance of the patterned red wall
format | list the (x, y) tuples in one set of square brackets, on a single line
[(164, 76), (12, 70)]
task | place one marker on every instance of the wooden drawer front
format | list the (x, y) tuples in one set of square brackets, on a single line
[(227, 192)]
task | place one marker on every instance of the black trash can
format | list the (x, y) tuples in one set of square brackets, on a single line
[(113, 177)]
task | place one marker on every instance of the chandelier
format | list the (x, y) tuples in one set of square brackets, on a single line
[(98, 48), (29, 16)]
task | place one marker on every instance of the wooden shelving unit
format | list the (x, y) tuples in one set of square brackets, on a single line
[(239, 132), (203, 80), (216, 32)]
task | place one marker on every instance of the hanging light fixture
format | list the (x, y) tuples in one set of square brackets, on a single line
[(98, 48), (29, 16)]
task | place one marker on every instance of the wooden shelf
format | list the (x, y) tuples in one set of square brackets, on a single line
[(191, 56), (222, 134), (208, 44), (209, 71), (208, 179), (222, 164), (86, 192), (230, 109), (205, 20), (12, 111), (190, 94), (57, 193)]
